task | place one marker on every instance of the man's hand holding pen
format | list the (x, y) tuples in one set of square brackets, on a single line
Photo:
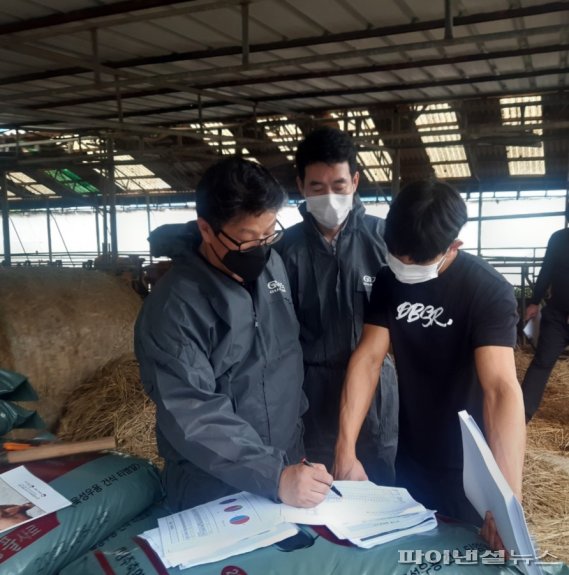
[(332, 488), (304, 484)]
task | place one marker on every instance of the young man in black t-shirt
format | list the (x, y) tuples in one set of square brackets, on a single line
[(451, 319)]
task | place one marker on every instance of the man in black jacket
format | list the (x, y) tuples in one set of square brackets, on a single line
[(554, 325), (217, 342), (332, 258)]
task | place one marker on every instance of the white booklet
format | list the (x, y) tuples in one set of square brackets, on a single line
[(24, 497), (488, 490)]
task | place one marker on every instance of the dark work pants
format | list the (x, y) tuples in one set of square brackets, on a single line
[(377, 444), (553, 339)]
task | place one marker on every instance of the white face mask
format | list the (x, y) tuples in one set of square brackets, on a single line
[(330, 210), (414, 273)]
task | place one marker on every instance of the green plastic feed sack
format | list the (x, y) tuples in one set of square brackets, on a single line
[(15, 387), (312, 552), (13, 416), (105, 490)]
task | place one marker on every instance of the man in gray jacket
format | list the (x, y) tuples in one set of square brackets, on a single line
[(332, 258), (217, 342)]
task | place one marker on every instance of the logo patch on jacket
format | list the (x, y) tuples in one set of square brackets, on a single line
[(276, 286), (368, 280)]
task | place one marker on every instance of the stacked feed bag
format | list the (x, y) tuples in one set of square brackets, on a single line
[(105, 491)]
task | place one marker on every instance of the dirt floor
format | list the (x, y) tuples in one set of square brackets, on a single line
[(546, 473)]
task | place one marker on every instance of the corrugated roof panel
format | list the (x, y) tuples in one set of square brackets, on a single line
[(136, 177), (284, 20), (337, 20), (448, 161), (376, 164), (524, 111), (228, 146), (72, 181), (29, 184), (285, 135)]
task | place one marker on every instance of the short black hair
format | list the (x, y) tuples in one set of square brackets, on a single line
[(233, 187), (424, 219), (327, 145)]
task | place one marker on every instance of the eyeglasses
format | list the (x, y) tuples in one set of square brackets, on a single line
[(249, 245)]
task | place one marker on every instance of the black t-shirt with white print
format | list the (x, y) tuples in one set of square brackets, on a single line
[(435, 326)]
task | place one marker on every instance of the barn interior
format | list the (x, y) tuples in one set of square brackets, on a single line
[(116, 104)]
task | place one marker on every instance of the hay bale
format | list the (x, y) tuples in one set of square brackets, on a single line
[(59, 326), (113, 402), (546, 470)]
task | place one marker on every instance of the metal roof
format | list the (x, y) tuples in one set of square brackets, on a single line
[(169, 85)]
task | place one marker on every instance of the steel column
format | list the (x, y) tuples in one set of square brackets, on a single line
[(6, 221)]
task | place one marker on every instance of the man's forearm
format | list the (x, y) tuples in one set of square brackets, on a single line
[(504, 422), (360, 384)]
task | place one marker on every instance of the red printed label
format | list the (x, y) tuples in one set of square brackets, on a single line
[(25, 535), (232, 570)]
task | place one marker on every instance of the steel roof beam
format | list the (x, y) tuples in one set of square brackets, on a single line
[(85, 14), (363, 34), (310, 75), (354, 91), (414, 86), (172, 79)]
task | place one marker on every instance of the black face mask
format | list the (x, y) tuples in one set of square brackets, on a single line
[(247, 265)]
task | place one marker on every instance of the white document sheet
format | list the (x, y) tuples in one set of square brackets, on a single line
[(531, 329), (361, 501), (204, 528), (377, 539), (488, 490), (222, 550), (384, 525), (25, 497)]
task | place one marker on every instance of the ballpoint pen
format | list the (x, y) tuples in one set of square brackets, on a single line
[(334, 489)]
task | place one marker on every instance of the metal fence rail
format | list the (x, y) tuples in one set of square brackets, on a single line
[(520, 270)]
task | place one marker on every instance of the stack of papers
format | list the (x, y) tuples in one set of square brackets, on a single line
[(367, 514), (487, 490), (219, 529)]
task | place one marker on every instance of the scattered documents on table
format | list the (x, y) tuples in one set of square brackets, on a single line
[(374, 532), (366, 515), (24, 497), (219, 529), (488, 490)]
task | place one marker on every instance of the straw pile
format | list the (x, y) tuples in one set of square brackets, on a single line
[(59, 326), (113, 403), (546, 473)]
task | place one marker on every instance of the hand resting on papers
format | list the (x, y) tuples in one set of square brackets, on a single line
[(348, 468), (303, 486)]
